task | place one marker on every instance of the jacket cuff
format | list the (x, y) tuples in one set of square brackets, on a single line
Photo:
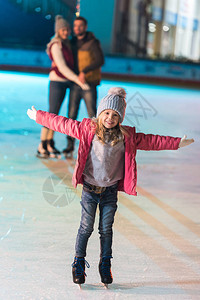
[(178, 142), (39, 117)]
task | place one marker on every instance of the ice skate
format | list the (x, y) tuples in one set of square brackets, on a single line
[(78, 270), (53, 152), (68, 152), (42, 151), (105, 271)]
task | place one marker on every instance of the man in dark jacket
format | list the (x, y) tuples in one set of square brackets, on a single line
[(88, 58)]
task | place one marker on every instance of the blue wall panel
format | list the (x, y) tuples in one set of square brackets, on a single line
[(100, 16), (25, 30)]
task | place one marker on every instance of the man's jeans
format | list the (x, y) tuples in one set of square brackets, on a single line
[(107, 201), (89, 96)]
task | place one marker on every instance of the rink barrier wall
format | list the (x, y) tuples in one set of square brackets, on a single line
[(115, 67)]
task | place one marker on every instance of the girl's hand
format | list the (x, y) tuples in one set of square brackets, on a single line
[(32, 113), (185, 142)]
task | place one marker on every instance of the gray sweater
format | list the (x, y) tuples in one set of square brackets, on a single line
[(105, 163)]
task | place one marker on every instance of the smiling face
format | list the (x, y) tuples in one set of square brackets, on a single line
[(109, 118), (64, 33), (79, 28)]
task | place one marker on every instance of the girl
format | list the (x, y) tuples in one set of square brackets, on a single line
[(105, 164), (60, 76)]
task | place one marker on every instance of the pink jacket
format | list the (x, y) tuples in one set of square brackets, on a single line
[(83, 132)]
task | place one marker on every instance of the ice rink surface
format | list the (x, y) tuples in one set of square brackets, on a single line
[(156, 248)]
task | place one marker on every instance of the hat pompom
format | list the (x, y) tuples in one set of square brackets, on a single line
[(117, 91), (58, 17)]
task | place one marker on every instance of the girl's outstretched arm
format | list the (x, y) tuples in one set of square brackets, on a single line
[(55, 122), (157, 142), (185, 142), (151, 142)]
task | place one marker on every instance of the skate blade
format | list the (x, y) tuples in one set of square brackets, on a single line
[(42, 156), (105, 285), (57, 156), (68, 155), (80, 287)]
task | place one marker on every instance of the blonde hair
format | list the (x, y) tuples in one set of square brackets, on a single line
[(114, 135), (57, 39)]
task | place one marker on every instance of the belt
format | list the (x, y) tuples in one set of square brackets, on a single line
[(97, 189), (94, 188)]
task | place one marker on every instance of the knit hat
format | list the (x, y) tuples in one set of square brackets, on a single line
[(115, 100), (60, 22)]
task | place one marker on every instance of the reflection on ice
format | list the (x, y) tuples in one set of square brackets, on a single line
[(22, 217), (7, 233), (26, 155)]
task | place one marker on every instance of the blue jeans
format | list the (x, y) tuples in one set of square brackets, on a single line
[(107, 201), (57, 91), (75, 96)]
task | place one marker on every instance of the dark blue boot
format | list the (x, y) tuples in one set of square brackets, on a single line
[(105, 270), (78, 269)]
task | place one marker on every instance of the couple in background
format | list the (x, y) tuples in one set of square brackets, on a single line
[(75, 65)]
